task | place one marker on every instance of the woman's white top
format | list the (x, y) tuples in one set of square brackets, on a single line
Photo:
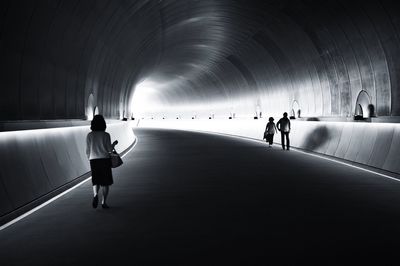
[(98, 145)]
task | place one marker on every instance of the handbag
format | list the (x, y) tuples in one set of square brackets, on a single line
[(115, 159), (265, 134)]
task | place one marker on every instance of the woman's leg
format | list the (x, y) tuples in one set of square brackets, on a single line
[(96, 189), (105, 194), (95, 196)]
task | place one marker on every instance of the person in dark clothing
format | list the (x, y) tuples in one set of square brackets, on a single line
[(270, 130), (283, 126), (98, 149)]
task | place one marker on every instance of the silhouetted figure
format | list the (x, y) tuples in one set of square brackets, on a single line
[(283, 126), (270, 130), (371, 110), (98, 149)]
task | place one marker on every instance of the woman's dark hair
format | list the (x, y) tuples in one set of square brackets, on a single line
[(98, 123), (271, 119)]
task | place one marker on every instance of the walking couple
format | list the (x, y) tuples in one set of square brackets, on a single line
[(283, 126)]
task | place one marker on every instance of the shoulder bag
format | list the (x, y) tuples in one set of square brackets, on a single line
[(115, 159)]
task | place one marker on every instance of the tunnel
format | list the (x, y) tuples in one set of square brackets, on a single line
[(167, 74)]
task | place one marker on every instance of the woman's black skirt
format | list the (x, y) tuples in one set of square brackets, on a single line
[(101, 172)]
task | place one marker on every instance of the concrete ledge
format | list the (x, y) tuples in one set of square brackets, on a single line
[(28, 125), (41, 124), (39, 164)]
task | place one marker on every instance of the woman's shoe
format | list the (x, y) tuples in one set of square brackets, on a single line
[(95, 201), (105, 206)]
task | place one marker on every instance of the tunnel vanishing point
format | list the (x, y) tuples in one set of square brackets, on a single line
[(213, 65)]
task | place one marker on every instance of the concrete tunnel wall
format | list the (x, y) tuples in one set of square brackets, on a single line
[(65, 60), (202, 57), (319, 56)]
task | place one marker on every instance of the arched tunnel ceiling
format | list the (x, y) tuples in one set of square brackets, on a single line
[(192, 57)]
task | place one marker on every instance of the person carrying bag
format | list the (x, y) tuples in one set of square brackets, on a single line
[(116, 160), (98, 150), (269, 132)]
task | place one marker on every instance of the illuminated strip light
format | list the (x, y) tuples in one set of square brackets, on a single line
[(54, 198), (303, 152)]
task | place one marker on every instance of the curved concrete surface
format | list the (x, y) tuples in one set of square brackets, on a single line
[(185, 198), (62, 58), (65, 60), (371, 144), (35, 163)]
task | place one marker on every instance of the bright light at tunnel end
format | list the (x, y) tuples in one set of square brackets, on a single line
[(143, 96)]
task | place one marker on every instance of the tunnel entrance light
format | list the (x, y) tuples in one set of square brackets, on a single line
[(143, 98)]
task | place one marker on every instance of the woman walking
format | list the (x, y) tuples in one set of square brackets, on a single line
[(98, 149), (270, 130)]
